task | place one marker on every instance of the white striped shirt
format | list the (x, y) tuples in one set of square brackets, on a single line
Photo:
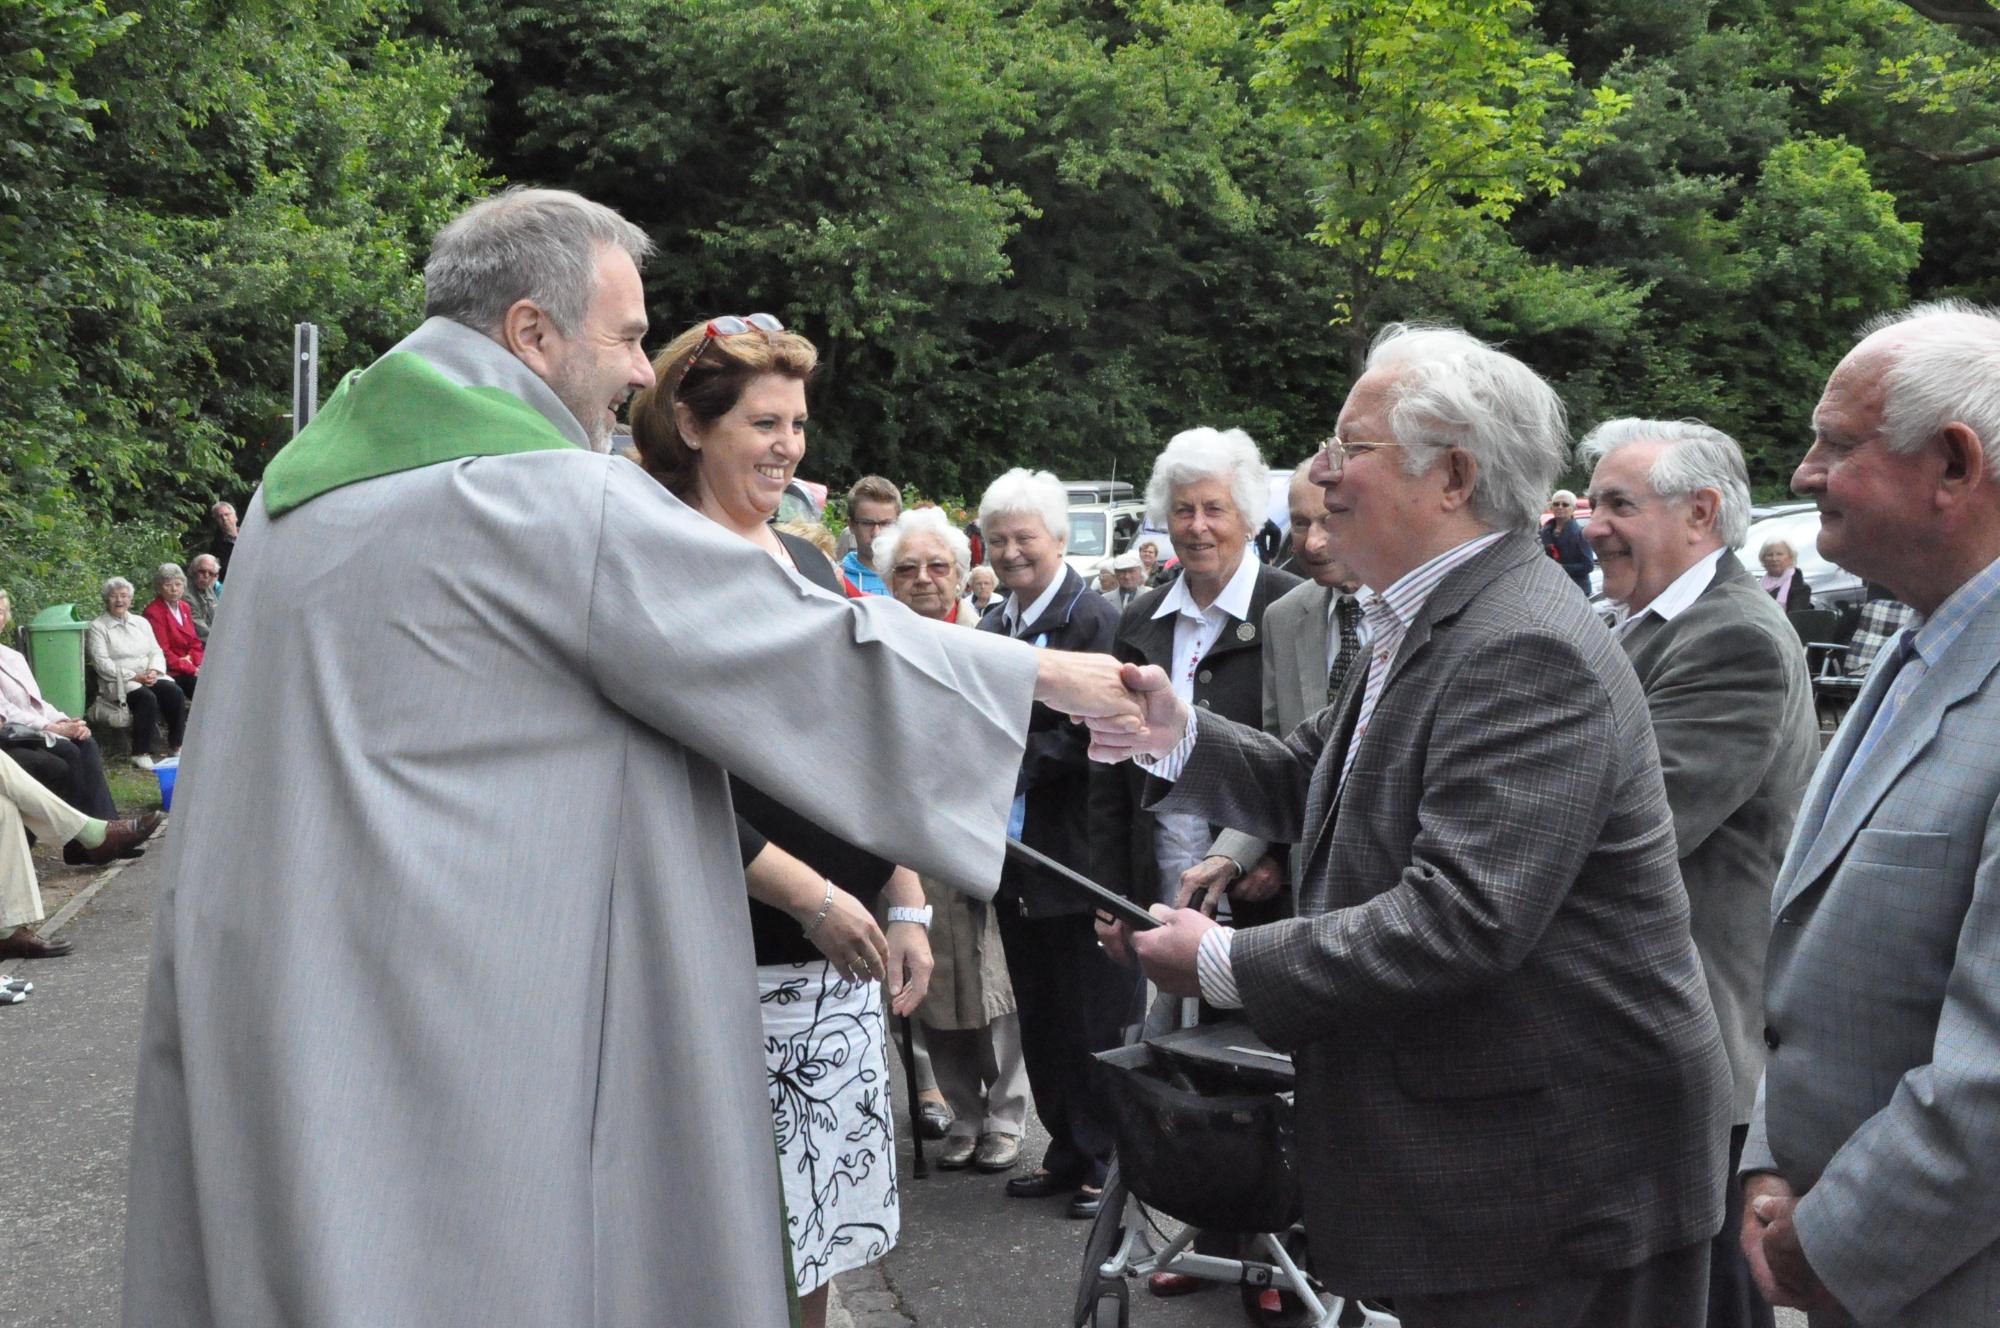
[(1388, 616)]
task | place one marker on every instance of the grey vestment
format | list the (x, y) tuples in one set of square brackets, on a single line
[(453, 1017)]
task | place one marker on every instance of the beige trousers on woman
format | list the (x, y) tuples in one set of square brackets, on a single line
[(24, 804)]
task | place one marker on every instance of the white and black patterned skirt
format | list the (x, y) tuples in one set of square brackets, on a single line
[(826, 1064)]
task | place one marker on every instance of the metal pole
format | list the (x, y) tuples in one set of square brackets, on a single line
[(305, 374), (922, 1170)]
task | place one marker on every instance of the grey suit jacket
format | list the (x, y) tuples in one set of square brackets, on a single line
[(1732, 713), (1508, 1067), (1881, 1098), (1295, 667)]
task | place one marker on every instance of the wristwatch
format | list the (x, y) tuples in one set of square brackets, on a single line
[(920, 916)]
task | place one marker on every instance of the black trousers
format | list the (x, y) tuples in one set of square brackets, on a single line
[(1733, 1298), (73, 771), (152, 705), (1073, 1001)]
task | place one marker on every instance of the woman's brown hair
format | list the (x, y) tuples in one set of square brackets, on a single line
[(706, 375)]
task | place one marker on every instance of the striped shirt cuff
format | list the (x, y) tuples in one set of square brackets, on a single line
[(1212, 968), (1169, 767)]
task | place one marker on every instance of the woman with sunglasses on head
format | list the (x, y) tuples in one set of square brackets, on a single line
[(724, 429)]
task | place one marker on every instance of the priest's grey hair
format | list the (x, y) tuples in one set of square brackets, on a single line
[(1453, 390), (1194, 455), (1032, 493), (1944, 368), (1697, 457), (924, 521), (525, 244)]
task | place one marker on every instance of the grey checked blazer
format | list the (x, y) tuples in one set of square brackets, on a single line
[(1508, 1067), (1732, 713), (1881, 1098)]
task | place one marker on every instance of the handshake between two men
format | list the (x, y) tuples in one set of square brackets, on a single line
[(1131, 711)]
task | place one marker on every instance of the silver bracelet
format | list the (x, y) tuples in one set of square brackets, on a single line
[(825, 907)]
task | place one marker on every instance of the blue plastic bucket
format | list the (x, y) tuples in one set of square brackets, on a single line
[(165, 771)]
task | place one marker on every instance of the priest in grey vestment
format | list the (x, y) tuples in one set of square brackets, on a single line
[(452, 1017)]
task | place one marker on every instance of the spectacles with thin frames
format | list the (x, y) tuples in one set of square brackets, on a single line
[(730, 325), (1339, 452)]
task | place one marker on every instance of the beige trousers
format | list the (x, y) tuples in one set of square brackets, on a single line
[(26, 805)]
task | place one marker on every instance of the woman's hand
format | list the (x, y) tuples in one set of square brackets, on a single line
[(850, 940), (847, 935), (910, 965)]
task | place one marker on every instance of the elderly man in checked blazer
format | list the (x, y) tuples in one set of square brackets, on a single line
[(1872, 1186), (1513, 1101)]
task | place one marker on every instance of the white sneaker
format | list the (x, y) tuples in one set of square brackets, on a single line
[(21, 985), (8, 996), (143, 762)]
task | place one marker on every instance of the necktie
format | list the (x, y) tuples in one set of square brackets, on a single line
[(1347, 617)]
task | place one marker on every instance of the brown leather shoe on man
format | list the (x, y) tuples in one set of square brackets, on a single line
[(122, 839), (25, 944)]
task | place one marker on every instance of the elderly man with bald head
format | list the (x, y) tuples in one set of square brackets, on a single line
[(1870, 1188)]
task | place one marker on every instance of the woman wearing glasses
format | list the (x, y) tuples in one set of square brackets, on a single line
[(723, 429)]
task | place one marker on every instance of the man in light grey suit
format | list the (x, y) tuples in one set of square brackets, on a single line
[(351, 1108), (1313, 634), (1732, 710), (1513, 1100), (1872, 1171)]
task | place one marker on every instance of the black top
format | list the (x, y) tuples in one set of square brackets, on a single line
[(760, 818)]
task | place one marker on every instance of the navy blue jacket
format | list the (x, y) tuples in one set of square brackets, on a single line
[(1055, 769)]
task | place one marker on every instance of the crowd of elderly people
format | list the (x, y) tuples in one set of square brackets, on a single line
[(52, 780)]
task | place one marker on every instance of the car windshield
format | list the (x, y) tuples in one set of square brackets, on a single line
[(1086, 535)]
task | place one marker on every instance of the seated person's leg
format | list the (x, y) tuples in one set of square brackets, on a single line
[(145, 708)]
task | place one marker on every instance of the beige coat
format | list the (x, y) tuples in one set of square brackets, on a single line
[(969, 987)]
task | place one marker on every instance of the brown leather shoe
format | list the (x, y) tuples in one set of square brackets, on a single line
[(122, 839), (25, 944)]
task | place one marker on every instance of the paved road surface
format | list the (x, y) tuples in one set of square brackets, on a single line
[(969, 1257)]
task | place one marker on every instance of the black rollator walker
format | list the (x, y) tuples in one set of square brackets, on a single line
[(1205, 1137), (1204, 1123)]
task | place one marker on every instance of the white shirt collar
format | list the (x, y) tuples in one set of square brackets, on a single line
[(1234, 599), (1680, 594), (1016, 620)]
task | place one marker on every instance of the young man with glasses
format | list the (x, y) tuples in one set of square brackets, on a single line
[(873, 505)]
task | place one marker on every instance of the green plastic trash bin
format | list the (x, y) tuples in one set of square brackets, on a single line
[(55, 653)]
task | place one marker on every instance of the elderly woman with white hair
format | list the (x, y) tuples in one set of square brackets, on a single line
[(969, 1024), (1562, 539), (1205, 628), (132, 683), (1782, 580), (173, 624), (1073, 999)]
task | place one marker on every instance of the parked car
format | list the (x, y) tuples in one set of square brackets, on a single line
[(1086, 493), (1099, 530), (802, 501)]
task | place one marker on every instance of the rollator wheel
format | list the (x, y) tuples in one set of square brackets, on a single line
[(1096, 1294)]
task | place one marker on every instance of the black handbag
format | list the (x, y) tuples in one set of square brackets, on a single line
[(14, 735)]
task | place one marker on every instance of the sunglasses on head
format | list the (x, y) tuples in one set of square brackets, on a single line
[(732, 326)]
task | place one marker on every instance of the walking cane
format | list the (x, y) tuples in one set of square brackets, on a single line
[(921, 1170)]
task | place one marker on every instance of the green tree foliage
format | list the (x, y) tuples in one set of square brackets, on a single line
[(1041, 232), (181, 184), (1431, 121)]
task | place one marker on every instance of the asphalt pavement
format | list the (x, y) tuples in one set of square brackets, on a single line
[(969, 1256)]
